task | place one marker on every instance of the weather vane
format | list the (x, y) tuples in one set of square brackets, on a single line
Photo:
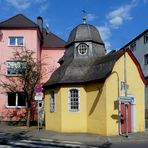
[(84, 16)]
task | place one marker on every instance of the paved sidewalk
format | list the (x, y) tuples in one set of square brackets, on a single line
[(87, 139)]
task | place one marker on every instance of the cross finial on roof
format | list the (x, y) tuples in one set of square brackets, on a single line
[(84, 16)]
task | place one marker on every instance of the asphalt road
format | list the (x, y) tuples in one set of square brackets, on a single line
[(136, 144), (26, 143)]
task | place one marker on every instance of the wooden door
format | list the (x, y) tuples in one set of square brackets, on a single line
[(123, 118)]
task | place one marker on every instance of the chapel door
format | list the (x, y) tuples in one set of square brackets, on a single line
[(123, 118)]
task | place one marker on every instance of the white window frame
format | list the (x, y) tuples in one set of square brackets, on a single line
[(146, 59), (16, 103), (69, 100), (9, 65), (80, 47), (133, 46), (16, 40), (52, 102), (146, 38)]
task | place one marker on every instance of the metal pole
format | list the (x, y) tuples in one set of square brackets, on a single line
[(38, 117), (126, 120), (125, 80)]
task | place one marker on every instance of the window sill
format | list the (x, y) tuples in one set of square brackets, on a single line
[(74, 111), (13, 75), (16, 107), (16, 45)]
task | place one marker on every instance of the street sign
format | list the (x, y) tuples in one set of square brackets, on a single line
[(38, 97), (38, 88), (125, 99), (123, 85)]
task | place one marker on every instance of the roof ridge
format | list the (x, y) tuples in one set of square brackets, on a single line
[(10, 18), (28, 19), (20, 14)]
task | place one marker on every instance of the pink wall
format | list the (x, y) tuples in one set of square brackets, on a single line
[(31, 42), (50, 57)]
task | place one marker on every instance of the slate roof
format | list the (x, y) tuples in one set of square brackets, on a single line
[(18, 21), (80, 71), (84, 32), (51, 40)]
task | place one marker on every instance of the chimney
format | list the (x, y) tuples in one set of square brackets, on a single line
[(40, 23)]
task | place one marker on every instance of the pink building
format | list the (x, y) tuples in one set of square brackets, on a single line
[(15, 33)]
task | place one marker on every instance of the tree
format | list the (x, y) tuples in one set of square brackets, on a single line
[(29, 75)]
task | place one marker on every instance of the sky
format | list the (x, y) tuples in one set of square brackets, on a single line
[(118, 21)]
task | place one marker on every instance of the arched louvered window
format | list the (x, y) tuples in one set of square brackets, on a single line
[(74, 100)]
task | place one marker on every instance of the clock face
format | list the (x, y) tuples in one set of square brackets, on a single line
[(82, 49)]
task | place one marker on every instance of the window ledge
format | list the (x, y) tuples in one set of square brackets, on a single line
[(16, 107), (74, 111), (13, 75), (16, 45)]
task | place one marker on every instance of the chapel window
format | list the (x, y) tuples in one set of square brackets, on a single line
[(74, 100)]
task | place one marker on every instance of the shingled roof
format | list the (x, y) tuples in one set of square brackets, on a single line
[(18, 21), (51, 40), (84, 32), (80, 71)]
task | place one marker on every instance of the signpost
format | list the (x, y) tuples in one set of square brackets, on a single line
[(125, 100), (38, 97)]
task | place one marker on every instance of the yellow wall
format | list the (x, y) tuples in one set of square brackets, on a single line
[(135, 88), (98, 103), (74, 121), (62, 119), (53, 119), (96, 108)]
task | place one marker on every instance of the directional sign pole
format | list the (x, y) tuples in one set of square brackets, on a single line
[(38, 117), (126, 105), (38, 97), (126, 92)]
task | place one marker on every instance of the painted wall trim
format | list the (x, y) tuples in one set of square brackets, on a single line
[(137, 65)]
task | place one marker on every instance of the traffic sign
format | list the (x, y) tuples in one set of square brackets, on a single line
[(38, 88), (125, 99), (123, 86), (38, 97)]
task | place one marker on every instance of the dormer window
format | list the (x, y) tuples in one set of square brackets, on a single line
[(82, 48)]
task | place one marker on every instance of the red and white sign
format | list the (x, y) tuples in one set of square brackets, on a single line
[(38, 88), (38, 97)]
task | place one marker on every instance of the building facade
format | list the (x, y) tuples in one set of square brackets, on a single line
[(139, 47), (84, 94), (16, 33)]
